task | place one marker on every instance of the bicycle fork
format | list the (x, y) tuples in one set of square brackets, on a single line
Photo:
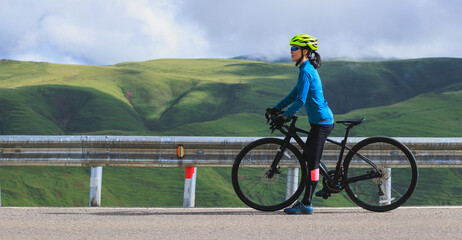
[(280, 152)]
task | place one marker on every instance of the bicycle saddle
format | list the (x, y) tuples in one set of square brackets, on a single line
[(352, 122)]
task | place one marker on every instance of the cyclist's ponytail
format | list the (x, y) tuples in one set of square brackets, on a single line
[(315, 59)]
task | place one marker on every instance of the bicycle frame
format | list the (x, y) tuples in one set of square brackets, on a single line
[(364, 172), (292, 133)]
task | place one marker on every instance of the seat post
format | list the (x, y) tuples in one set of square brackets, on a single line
[(347, 132)]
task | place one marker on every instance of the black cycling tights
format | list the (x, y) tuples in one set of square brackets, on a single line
[(315, 143)]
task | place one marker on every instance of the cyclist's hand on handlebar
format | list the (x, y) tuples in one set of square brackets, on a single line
[(271, 112), (278, 122)]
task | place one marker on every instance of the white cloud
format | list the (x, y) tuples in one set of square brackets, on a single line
[(352, 28), (169, 37), (112, 31), (96, 33)]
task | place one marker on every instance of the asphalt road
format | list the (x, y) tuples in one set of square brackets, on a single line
[(228, 223)]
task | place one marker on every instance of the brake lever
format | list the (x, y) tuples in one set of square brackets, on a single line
[(270, 118), (273, 124), (273, 127)]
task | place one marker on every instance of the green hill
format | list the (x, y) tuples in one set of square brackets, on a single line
[(157, 97), (432, 114), (211, 97)]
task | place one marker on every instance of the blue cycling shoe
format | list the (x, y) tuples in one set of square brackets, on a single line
[(299, 208)]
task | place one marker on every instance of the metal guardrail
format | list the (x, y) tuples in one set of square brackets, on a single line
[(188, 152), (145, 151)]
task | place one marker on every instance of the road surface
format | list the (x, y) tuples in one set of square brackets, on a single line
[(228, 223)]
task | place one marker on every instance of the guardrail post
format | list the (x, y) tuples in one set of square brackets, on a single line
[(386, 188), (189, 187), (292, 181), (95, 186)]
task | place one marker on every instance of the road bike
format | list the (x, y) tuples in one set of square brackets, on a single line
[(270, 174)]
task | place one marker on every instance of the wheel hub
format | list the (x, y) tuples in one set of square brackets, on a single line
[(269, 180), (385, 176)]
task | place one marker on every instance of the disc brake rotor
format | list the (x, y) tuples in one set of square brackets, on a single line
[(268, 180)]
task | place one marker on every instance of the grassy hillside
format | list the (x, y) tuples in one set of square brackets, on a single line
[(158, 97), (431, 114), (354, 85), (212, 97), (57, 109)]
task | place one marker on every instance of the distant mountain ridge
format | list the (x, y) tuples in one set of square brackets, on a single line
[(186, 96), (263, 58), (287, 59)]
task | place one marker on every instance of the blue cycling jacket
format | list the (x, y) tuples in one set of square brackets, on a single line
[(308, 92)]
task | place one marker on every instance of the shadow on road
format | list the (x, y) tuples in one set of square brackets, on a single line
[(197, 212)]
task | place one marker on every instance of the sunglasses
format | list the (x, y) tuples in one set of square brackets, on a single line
[(293, 48)]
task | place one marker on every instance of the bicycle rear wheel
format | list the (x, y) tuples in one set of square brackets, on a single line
[(260, 191), (398, 170)]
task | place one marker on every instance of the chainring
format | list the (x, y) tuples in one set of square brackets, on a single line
[(330, 188)]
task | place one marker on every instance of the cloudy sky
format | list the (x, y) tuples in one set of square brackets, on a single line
[(104, 32)]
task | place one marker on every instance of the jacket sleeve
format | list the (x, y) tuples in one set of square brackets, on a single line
[(303, 86)]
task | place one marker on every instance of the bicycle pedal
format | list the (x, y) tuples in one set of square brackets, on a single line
[(321, 193), (326, 196)]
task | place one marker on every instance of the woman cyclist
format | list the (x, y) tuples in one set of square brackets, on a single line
[(308, 92)]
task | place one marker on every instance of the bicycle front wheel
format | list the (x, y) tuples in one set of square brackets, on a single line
[(252, 180), (396, 180)]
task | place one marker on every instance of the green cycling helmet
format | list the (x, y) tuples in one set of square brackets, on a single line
[(304, 40)]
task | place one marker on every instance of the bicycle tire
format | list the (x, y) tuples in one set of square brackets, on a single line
[(394, 160), (253, 186)]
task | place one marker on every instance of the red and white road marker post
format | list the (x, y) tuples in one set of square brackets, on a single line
[(189, 187)]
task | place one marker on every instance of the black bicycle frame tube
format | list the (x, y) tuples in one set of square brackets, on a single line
[(273, 169), (343, 144), (292, 133), (365, 159), (358, 178), (364, 177), (323, 168)]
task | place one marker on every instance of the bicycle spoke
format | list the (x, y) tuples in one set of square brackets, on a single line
[(246, 186), (393, 161), (397, 192), (251, 171)]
